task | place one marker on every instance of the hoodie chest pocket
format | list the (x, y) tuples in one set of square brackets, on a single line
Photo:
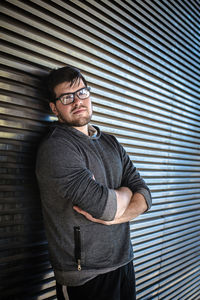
[(97, 246)]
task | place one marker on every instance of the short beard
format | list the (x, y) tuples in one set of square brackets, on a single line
[(78, 123)]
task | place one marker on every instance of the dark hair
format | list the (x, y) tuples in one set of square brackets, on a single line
[(57, 76)]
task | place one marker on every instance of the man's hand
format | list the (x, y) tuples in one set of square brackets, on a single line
[(90, 217), (135, 208)]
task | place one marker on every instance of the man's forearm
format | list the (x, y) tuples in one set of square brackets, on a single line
[(135, 208), (124, 196)]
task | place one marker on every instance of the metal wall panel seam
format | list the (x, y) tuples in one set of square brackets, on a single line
[(76, 21), (164, 251), (114, 71), (160, 153), (164, 240), (176, 199), (123, 74), (120, 130), (148, 225), (123, 104), (182, 15), (178, 135), (133, 36), (193, 6), (149, 16), (145, 144), (163, 294), (174, 254), (153, 94), (125, 57), (148, 103), (161, 128), (145, 7), (150, 278), (171, 17), (108, 58), (177, 259), (143, 233), (154, 33), (129, 27), (166, 289), (186, 12)]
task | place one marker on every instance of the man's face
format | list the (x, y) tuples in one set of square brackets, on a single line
[(76, 114)]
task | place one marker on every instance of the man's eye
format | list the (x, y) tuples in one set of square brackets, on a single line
[(82, 92), (67, 97)]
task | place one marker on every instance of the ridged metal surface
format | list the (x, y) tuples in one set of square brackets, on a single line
[(141, 59)]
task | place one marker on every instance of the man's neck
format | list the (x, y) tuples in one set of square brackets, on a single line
[(83, 129)]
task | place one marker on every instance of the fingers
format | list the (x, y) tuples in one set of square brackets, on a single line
[(90, 217)]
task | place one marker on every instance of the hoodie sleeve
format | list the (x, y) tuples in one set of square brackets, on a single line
[(64, 174)]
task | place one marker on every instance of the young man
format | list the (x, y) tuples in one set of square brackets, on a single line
[(90, 190)]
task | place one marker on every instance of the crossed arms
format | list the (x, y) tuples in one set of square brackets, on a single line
[(129, 206), (68, 178)]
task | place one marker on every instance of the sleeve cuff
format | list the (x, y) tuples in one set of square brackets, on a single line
[(147, 196), (111, 207)]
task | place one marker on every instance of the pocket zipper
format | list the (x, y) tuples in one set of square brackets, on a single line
[(77, 249)]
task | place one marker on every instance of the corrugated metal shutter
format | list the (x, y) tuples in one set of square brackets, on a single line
[(141, 59)]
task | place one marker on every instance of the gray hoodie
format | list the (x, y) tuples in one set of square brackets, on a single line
[(75, 169)]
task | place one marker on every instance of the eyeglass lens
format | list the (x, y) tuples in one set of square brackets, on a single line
[(81, 94)]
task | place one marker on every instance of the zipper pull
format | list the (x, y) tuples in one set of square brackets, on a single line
[(79, 265), (77, 249)]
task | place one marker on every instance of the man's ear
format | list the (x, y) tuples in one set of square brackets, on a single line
[(53, 108)]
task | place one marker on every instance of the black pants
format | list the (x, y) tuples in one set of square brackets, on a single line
[(115, 285)]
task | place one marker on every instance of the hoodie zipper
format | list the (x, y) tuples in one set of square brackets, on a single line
[(77, 249)]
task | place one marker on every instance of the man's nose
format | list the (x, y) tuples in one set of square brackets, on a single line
[(77, 100)]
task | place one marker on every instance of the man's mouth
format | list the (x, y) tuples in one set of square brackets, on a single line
[(79, 110)]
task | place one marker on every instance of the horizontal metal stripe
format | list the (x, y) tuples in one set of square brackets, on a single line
[(171, 18), (140, 242), (165, 251), (18, 135), (152, 289), (163, 241), (153, 31), (155, 134), (128, 33), (185, 22), (129, 106), (136, 87), (193, 7), (161, 129), (145, 8), (150, 263), (106, 38), (163, 223), (181, 281), (159, 213), (176, 260), (164, 147), (161, 153), (150, 278), (173, 113), (139, 224), (192, 291), (188, 10), (141, 59), (141, 135)]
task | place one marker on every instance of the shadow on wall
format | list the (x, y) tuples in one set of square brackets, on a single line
[(25, 270)]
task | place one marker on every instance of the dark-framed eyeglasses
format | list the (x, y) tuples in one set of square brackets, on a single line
[(68, 98)]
